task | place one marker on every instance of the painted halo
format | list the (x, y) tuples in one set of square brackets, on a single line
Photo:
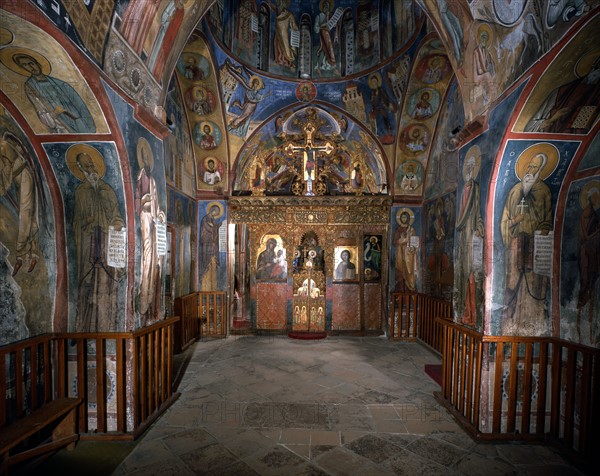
[(7, 58), (475, 152), (208, 159), (377, 77), (591, 188), (6, 37), (96, 156), (540, 148), (218, 205), (143, 145), (410, 214), (484, 27), (584, 64)]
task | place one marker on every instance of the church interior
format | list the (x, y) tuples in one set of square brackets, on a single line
[(204, 200)]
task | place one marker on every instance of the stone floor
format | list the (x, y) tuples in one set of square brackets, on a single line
[(340, 406)]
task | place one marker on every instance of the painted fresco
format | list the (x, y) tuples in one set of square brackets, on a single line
[(469, 243), (318, 39), (565, 100), (182, 216), (44, 84), (146, 163), (406, 244), (249, 98), (27, 248), (201, 105), (580, 265), (442, 168), (151, 28), (212, 261), (151, 221), (90, 179), (493, 42), (525, 204), (283, 158), (431, 75), (85, 22), (590, 159), (439, 217), (180, 168)]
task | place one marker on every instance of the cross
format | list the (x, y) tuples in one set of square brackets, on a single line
[(309, 163), (522, 205)]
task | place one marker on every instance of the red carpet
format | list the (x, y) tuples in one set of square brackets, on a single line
[(435, 372)]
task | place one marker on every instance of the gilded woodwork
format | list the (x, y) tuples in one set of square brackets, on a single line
[(334, 222)]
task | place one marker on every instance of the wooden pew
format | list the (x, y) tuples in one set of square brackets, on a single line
[(59, 416)]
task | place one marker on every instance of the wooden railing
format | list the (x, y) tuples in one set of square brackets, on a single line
[(203, 314), (112, 372), (413, 316), (530, 388)]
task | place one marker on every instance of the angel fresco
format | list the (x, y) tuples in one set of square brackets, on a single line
[(252, 87)]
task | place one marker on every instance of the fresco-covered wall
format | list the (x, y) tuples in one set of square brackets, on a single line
[(27, 245), (524, 214), (580, 264), (148, 183), (319, 39), (406, 244), (212, 246), (91, 184), (182, 217)]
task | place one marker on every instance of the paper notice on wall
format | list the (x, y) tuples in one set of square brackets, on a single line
[(295, 38), (116, 253), (414, 242), (254, 23), (477, 251), (542, 253), (161, 238)]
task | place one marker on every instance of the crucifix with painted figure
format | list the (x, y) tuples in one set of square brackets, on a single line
[(310, 153)]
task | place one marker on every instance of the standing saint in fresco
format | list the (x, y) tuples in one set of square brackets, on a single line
[(58, 106), (96, 210), (381, 106), (589, 254), (16, 171), (285, 23), (527, 211), (323, 24), (406, 254), (483, 65), (148, 209), (209, 246), (469, 227)]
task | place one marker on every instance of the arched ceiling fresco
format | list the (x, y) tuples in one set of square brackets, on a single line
[(359, 59)]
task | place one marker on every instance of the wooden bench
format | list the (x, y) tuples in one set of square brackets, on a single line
[(61, 411)]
